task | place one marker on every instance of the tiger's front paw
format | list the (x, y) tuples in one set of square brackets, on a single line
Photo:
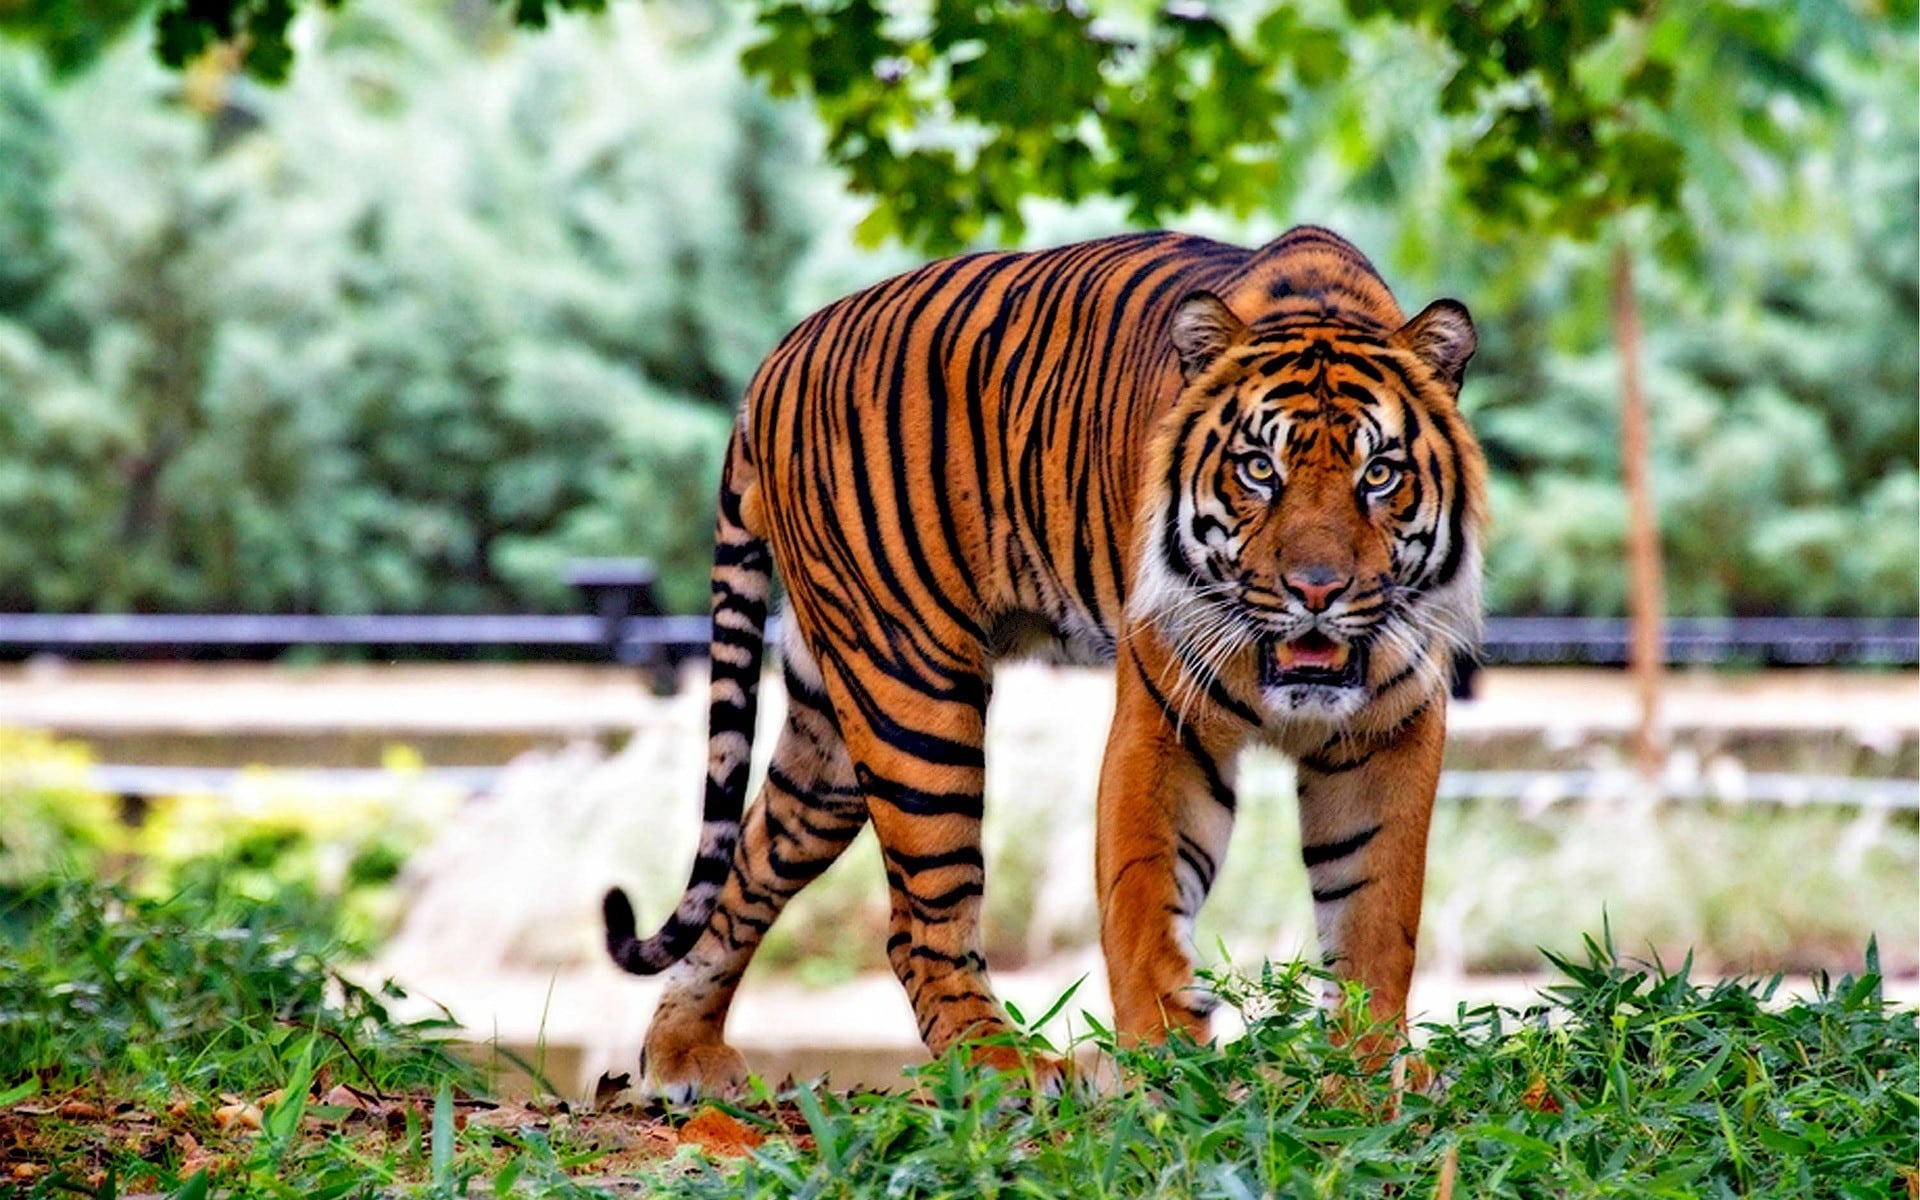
[(1152, 1015), (680, 1071), (1381, 1095)]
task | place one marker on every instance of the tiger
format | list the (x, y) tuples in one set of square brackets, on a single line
[(1240, 476)]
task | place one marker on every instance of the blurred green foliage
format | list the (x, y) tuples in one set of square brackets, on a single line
[(325, 864), (1781, 355), (401, 336), (52, 824), (452, 306)]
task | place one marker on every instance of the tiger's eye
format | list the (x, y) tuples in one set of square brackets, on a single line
[(1379, 475), (1257, 469)]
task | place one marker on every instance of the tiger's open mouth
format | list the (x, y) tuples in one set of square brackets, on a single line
[(1314, 658)]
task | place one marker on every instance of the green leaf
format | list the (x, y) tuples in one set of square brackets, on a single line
[(441, 1153), (23, 1090), (195, 1188)]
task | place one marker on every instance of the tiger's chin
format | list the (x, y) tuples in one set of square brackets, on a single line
[(1313, 676)]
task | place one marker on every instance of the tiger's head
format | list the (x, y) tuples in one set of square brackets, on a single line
[(1315, 506)]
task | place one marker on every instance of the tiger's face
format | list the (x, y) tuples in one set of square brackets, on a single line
[(1317, 500)]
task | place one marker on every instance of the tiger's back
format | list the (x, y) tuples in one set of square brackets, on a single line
[(985, 420)]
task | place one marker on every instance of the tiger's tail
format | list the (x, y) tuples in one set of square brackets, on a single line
[(742, 577)]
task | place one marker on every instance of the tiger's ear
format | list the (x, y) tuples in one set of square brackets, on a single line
[(1203, 329), (1442, 337)]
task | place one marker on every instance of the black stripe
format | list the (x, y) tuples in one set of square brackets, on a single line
[(733, 638), (839, 834), (1329, 895), (1201, 875), (787, 783), (796, 870), (799, 690), (1321, 853), (913, 864), (970, 961), (709, 870), (730, 716), (726, 796), (1322, 766), (1216, 784), (917, 801), (1401, 676), (970, 889), (747, 555), (927, 747)]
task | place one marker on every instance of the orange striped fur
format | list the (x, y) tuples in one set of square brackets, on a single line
[(1240, 475)]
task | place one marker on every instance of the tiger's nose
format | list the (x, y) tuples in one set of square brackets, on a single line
[(1316, 587)]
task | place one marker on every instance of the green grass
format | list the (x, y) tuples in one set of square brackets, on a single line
[(131, 1028), (127, 1025), (1642, 1083), (205, 990)]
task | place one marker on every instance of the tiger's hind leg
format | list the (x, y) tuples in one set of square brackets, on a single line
[(808, 811), (916, 736)]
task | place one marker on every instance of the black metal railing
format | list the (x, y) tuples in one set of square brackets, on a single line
[(625, 625), (1763, 641)]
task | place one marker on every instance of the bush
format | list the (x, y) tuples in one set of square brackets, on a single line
[(52, 824), (325, 865), (399, 337)]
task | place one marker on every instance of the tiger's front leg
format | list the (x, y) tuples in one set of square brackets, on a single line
[(1365, 805), (1165, 814)]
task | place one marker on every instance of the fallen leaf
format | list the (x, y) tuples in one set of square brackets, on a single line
[(624, 1148), (720, 1133), (352, 1099), (1449, 1164), (1538, 1098), (237, 1116), (658, 1139), (193, 1156), (509, 1116)]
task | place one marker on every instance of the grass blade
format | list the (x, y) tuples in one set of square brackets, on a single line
[(193, 1189), (441, 1161)]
